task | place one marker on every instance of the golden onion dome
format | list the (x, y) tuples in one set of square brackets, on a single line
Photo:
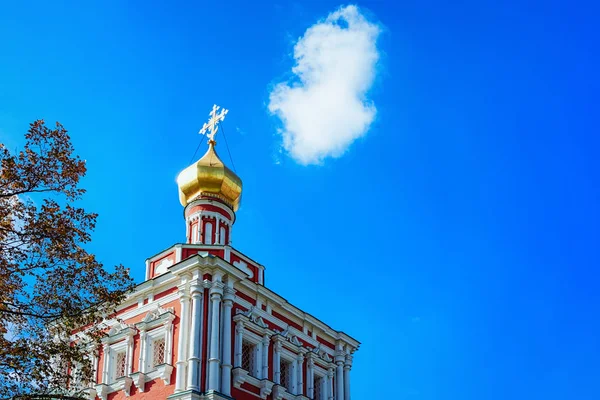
[(209, 177)]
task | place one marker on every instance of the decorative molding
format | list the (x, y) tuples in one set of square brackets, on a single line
[(164, 372), (278, 392), (163, 266), (91, 393), (253, 316), (102, 391), (118, 332), (239, 376), (200, 201), (156, 317), (266, 387), (124, 383), (243, 266), (139, 379)]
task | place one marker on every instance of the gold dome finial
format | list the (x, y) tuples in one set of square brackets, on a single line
[(209, 176)]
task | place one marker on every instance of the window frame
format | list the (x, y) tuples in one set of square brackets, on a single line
[(256, 341), (292, 359), (320, 373), (151, 337)]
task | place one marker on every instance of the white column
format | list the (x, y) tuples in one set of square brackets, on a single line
[(277, 360), (347, 368), (182, 346), (299, 374), (340, 358), (105, 363), (226, 365), (217, 230), (169, 341), (310, 377), (216, 292), (239, 334), (129, 356), (339, 380), (265, 356), (329, 384), (143, 344), (193, 380)]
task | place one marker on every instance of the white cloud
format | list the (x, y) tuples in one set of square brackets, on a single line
[(324, 108)]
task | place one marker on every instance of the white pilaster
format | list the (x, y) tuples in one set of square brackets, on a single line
[(310, 376), (182, 346), (226, 364), (193, 380), (105, 363), (329, 384), (169, 342), (239, 334), (277, 360), (265, 356), (143, 347), (300, 374), (216, 292), (129, 355)]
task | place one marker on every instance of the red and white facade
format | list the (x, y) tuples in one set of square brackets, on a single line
[(204, 326)]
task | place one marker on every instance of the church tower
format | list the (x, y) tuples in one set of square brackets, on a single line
[(203, 325)]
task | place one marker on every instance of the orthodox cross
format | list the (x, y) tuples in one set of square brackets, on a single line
[(212, 125)]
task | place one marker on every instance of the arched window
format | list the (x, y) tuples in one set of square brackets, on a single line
[(208, 231), (222, 235)]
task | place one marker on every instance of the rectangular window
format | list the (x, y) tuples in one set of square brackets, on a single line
[(121, 364), (318, 388), (158, 352), (285, 370), (248, 357)]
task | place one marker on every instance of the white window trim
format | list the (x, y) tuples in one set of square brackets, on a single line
[(120, 337), (255, 341), (292, 359), (319, 372), (151, 337), (114, 350), (158, 323)]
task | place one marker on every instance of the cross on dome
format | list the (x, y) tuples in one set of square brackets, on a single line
[(212, 124)]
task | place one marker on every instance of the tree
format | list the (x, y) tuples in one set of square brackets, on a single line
[(50, 286)]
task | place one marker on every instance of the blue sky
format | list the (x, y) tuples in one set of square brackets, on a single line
[(460, 242)]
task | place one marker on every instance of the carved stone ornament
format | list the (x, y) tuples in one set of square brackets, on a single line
[(164, 372), (294, 340), (118, 328), (239, 376), (253, 316), (139, 379), (91, 393), (102, 391), (127, 381), (156, 314), (266, 387), (278, 392), (163, 266)]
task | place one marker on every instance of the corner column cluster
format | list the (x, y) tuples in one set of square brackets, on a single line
[(191, 329)]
